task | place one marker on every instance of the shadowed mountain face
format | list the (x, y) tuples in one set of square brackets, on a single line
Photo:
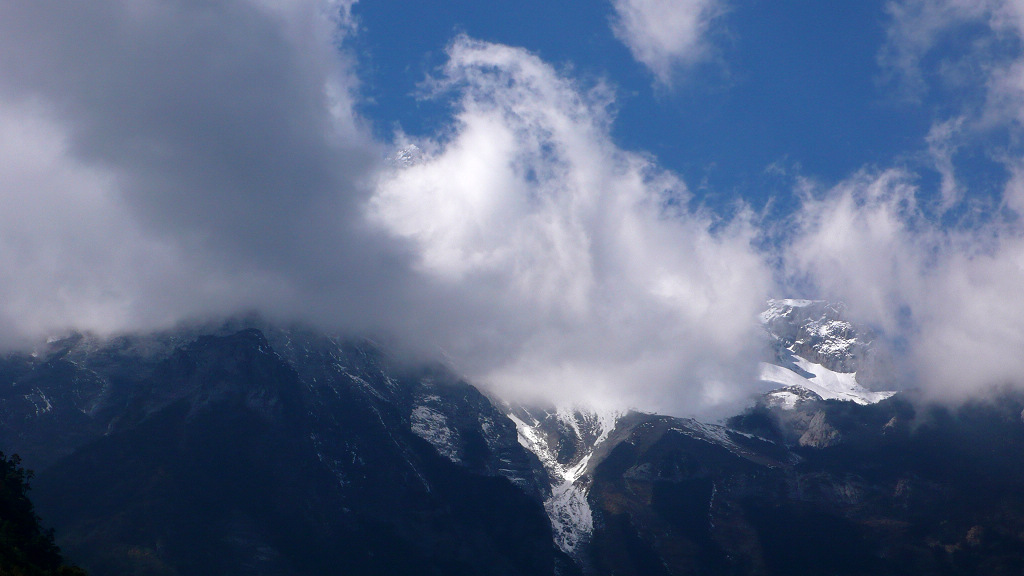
[(900, 491), (251, 449), (226, 457)]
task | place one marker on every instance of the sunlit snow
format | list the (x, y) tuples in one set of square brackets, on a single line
[(823, 382)]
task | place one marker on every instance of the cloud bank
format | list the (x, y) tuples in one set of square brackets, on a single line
[(946, 290), (218, 166), (948, 298), (167, 160), (171, 159)]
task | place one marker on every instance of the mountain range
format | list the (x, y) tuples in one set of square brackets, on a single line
[(257, 449)]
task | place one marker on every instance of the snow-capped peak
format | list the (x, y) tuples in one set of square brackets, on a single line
[(816, 353)]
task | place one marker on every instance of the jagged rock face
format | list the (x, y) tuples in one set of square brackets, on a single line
[(817, 358), (464, 426), (816, 330), (568, 435), (815, 354), (900, 495), (819, 433), (789, 397), (665, 499)]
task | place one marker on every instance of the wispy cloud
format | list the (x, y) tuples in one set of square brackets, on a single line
[(948, 297), (967, 52), (916, 27), (942, 145), (946, 292), (666, 36)]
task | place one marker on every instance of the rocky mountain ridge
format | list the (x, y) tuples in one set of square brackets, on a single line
[(248, 448)]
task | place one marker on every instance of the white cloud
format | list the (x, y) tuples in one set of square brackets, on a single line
[(951, 297), (581, 257), (855, 244), (970, 50), (1013, 195), (218, 165), (946, 295), (916, 27), (665, 35), (942, 145)]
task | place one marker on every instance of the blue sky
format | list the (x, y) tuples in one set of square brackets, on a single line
[(797, 87), (601, 197)]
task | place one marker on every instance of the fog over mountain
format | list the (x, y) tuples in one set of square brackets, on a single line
[(171, 160)]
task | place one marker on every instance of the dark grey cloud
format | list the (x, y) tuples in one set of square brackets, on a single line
[(225, 134)]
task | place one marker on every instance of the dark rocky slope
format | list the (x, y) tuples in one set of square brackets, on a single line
[(251, 449), (224, 458)]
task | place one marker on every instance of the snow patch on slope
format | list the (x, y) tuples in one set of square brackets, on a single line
[(787, 398), (779, 308), (832, 337), (432, 426), (825, 383), (572, 521), (39, 401)]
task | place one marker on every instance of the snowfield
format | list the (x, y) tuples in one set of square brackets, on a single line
[(823, 382)]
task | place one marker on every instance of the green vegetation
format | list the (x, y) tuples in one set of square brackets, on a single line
[(25, 548)]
